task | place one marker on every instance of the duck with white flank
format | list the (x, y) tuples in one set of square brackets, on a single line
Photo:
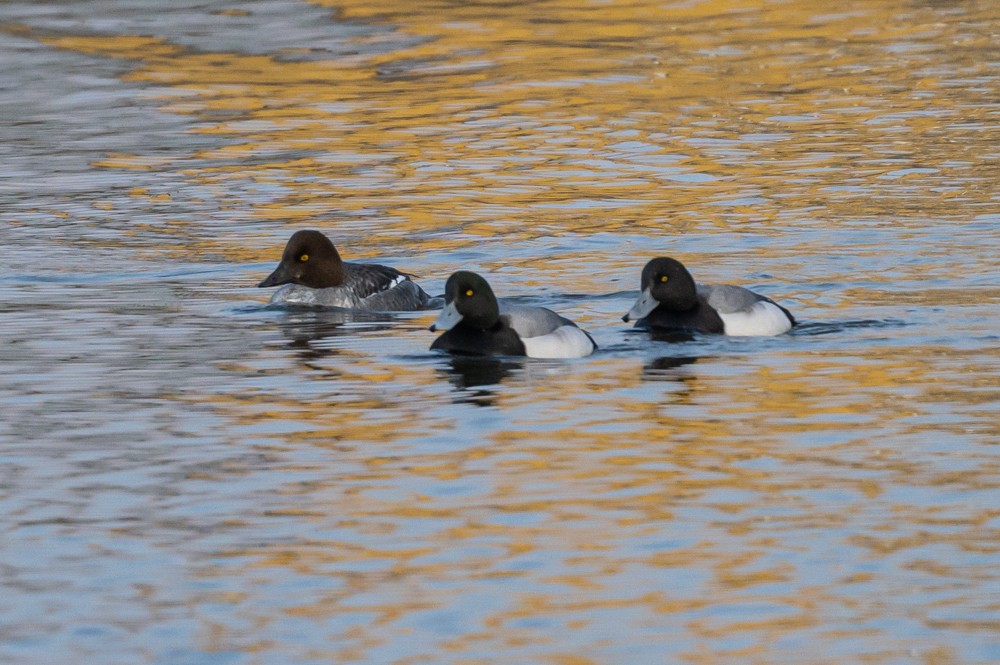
[(671, 300), (315, 275), (475, 323)]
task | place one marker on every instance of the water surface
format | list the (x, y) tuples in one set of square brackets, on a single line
[(190, 476)]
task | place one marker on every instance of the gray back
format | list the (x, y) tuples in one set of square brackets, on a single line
[(727, 298), (532, 321)]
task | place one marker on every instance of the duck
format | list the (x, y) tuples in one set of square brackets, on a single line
[(313, 274), (476, 323), (670, 299)]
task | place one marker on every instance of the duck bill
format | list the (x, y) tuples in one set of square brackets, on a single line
[(277, 278), (642, 307), (447, 319)]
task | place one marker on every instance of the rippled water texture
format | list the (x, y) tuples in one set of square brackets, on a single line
[(189, 476)]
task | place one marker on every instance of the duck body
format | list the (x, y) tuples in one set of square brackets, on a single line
[(671, 300), (366, 286), (465, 340), (313, 275), (476, 323)]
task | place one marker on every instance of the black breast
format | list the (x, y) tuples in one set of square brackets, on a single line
[(700, 318), (468, 341)]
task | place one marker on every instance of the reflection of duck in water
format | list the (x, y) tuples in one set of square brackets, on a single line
[(666, 368), (315, 276), (473, 376), (677, 373), (475, 323), (303, 326), (671, 300)]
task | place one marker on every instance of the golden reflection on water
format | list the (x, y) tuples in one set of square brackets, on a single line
[(523, 124), (592, 472), (581, 117)]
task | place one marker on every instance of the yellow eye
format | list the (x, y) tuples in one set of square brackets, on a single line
[(470, 293), (663, 279), (304, 258)]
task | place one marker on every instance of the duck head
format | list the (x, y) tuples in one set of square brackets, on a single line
[(309, 259), (665, 282), (469, 299)]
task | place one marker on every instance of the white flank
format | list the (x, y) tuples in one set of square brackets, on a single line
[(763, 318), (296, 294), (563, 342)]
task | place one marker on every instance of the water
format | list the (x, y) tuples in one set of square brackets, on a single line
[(189, 476)]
